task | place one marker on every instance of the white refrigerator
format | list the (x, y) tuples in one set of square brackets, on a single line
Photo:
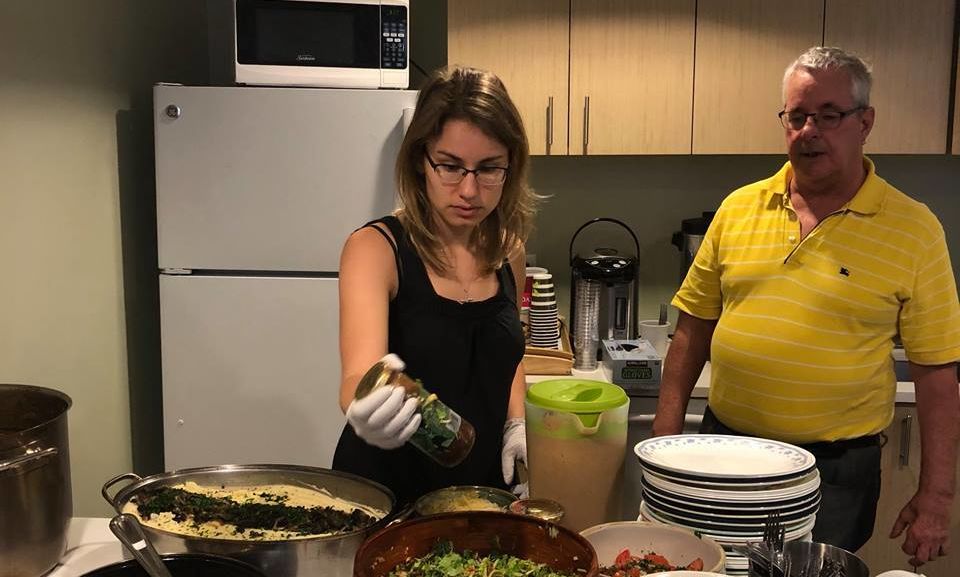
[(257, 189)]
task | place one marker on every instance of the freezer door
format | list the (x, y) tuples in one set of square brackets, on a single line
[(264, 179), (250, 370)]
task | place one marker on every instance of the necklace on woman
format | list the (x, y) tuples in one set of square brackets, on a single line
[(466, 288)]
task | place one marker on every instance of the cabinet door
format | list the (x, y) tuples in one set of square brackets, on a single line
[(525, 43), (901, 477), (956, 108), (909, 45), (743, 47), (631, 76)]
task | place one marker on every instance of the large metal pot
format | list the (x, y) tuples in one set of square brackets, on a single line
[(329, 556), (35, 499)]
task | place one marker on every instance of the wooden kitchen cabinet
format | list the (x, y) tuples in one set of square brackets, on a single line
[(526, 43), (631, 76), (626, 64), (743, 47), (622, 76), (910, 47), (956, 107), (901, 477)]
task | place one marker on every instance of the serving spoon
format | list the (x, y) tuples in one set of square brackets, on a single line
[(128, 530)]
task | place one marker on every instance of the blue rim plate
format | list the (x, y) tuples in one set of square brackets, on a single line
[(732, 517), (724, 504), (724, 458)]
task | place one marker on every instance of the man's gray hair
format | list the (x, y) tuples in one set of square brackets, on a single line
[(830, 58)]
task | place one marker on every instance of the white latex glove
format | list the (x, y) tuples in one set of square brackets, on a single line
[(384, 418), (514, 448)]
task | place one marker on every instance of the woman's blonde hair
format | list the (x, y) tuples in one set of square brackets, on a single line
[(478, 97)]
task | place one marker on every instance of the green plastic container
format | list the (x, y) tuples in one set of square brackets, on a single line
[(576, 447)]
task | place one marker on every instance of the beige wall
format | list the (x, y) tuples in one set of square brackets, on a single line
[(67, 68), (652, 194)]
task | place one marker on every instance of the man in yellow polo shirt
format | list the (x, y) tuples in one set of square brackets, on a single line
[(795, 296)]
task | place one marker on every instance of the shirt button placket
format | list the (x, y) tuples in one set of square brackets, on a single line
[(792, 226)]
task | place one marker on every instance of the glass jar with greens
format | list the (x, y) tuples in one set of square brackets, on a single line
[(443, 435)]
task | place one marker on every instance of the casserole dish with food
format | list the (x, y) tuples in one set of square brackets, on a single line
[(286, 520)]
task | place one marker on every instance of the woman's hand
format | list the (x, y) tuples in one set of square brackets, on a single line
[(384, 418), (514, 449)]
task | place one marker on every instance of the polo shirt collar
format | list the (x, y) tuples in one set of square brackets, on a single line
[(868, 200)]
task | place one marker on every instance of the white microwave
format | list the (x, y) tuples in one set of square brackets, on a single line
[(334, 44)]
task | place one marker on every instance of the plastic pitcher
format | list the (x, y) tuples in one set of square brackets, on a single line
[(576, 446)]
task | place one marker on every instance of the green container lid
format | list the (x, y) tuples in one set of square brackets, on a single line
[(580, 396)]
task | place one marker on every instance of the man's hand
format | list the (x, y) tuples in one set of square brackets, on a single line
[(926, 519)]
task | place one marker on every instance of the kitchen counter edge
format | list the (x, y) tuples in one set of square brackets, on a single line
[(905, 393)]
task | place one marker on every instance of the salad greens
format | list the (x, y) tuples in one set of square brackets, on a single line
[(437, 428), (443, 561)]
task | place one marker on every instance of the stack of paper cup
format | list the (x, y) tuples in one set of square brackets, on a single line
[(525, 302), (544, 330)]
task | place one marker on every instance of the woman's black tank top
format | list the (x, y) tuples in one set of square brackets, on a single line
[(467, 354)]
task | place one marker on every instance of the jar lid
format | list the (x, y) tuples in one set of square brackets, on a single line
[(580, 396), (378, 375), (375, 377)]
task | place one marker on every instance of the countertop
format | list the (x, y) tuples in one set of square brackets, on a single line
[(701, 390), (90, 545)]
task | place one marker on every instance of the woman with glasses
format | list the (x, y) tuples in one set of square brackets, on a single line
[(438, 283)]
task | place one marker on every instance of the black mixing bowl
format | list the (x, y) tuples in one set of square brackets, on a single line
[(186, 565)]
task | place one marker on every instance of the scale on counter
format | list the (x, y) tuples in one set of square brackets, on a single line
[(633, 364)]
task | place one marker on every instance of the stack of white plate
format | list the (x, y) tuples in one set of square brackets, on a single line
[(727, 486)]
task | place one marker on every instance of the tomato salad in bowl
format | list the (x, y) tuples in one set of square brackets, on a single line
[(627, 565), (635, 548)]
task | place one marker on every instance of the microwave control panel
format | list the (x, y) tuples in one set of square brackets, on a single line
[(393, 48)]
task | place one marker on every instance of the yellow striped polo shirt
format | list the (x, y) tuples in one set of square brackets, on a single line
[(801, 350)]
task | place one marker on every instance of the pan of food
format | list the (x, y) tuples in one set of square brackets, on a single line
[(286, 520)]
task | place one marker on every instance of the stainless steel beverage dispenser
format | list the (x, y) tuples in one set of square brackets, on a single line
[(603, 296), (688, 239)]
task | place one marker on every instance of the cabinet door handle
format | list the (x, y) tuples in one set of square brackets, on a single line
[(549, 123), (905, 425), (690, 420), (586, 123)]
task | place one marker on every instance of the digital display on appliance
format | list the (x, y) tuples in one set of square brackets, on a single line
[(636, 373)]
